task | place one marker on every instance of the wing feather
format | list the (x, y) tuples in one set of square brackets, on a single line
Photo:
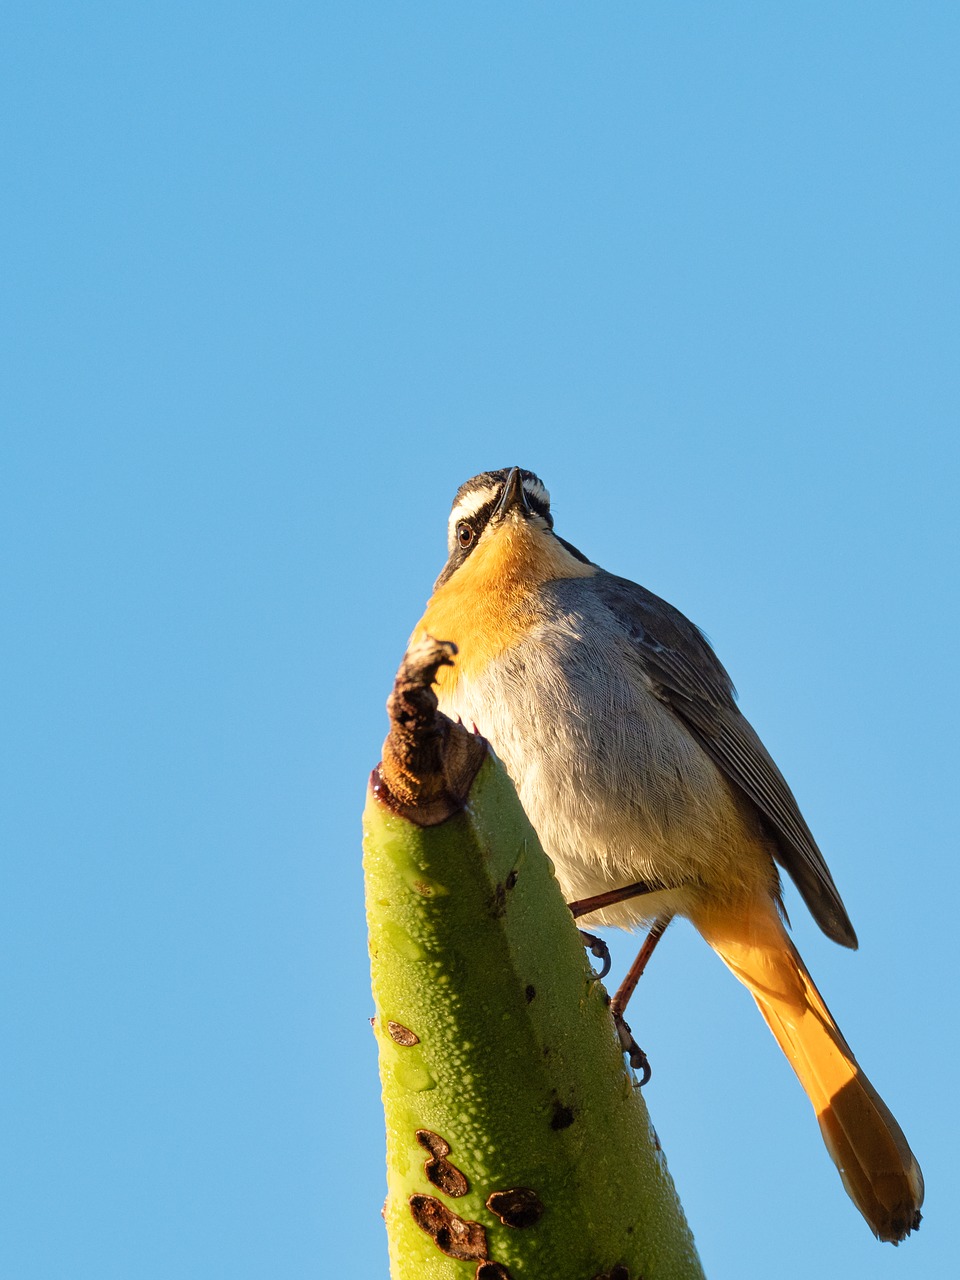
[(687, 675)]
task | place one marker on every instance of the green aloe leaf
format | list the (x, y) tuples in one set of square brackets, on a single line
[(518, 1144)]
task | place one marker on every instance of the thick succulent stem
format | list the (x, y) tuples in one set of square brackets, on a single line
[(518, 1144)]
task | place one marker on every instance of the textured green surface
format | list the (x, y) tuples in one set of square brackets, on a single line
[(517, 1067)]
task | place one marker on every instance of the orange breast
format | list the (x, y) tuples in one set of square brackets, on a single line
[(489, 604)]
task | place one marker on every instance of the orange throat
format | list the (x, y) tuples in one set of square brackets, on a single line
[(489, 603)]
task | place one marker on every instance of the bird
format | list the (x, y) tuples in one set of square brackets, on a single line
[(651, 793)]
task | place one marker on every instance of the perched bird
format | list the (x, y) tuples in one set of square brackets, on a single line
[(619, 728)]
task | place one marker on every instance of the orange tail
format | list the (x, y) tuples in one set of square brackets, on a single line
[(866, 1144)]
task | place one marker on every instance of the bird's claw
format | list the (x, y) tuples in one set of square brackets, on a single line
[(598, 949), (638, 1059)]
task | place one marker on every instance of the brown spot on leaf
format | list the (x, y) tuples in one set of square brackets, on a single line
[(530, 992), (518, 1207), (492, 1271), (562, 1117), (438, 1168), (403, 1035), (456, 1237), (432, 1142), (498, 901)]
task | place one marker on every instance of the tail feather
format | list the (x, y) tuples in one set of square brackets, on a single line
[(865, 1142)]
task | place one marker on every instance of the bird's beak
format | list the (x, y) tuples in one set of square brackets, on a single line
[(513, 497)]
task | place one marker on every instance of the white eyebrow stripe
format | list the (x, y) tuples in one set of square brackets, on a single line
[(471, 503)]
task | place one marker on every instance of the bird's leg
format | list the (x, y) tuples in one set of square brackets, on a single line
[(584, 906), (638, 1059), (596, 946), (634, 973)]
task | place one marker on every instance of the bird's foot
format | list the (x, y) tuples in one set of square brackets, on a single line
[(598, 949), (638, 1059)]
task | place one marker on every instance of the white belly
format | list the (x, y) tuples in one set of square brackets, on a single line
[(616, 787)]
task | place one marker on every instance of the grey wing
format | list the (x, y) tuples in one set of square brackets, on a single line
[(687, 675)]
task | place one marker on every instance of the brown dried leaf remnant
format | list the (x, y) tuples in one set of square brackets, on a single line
[(429, 763)]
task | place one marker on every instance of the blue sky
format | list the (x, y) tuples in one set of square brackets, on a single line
[(276, 280)]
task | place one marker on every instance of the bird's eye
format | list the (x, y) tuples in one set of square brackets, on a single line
[(464, 534)]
